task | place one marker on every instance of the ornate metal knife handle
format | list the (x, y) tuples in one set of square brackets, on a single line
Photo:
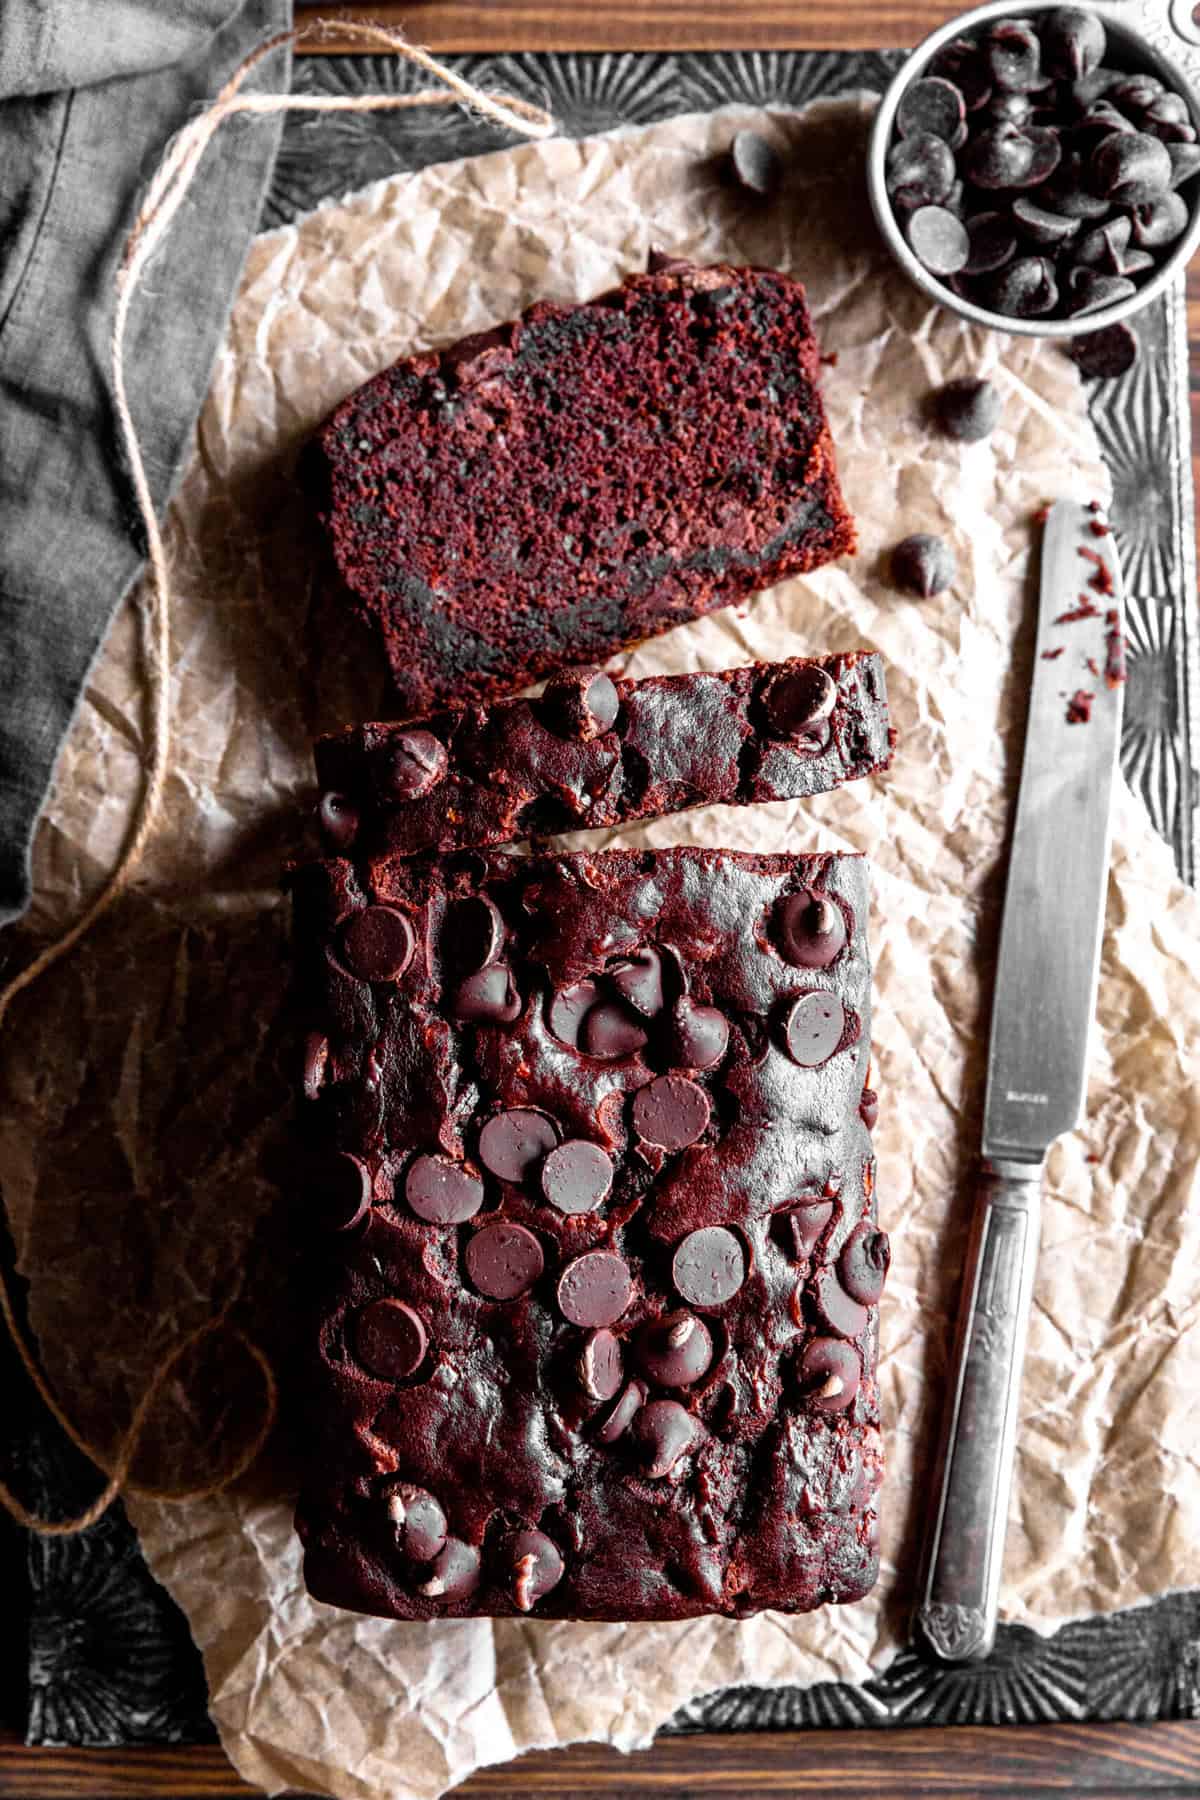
[(956, 1613)]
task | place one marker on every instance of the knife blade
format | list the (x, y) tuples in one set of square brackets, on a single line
[(1043, 1009)]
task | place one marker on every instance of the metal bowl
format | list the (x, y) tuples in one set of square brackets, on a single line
[(1156, 37)]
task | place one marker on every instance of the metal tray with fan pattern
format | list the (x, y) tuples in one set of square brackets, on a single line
[(110, 1658)]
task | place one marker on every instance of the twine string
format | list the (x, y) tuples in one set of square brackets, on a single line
[(158, 209)]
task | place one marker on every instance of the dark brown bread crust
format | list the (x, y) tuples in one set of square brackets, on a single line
[(580, 479), (735, 1199), (525, 768)]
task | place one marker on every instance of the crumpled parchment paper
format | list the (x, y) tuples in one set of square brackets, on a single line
[(145, 1084)]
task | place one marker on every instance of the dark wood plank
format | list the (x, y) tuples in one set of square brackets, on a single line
[(448, 25), (1085, 1762)]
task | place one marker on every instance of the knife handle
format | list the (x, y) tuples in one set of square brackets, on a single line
[(956, 1614)]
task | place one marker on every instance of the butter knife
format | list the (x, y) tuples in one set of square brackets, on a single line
[(1042, 1011)]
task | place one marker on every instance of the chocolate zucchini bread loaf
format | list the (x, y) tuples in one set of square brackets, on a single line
[(595, 750), (581, 478), (596, 1200)]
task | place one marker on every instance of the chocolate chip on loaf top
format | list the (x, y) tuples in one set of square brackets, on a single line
[(596, 750), (581, 478), (595, 1191)]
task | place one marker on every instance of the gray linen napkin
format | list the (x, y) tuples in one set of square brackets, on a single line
[(89, 97)]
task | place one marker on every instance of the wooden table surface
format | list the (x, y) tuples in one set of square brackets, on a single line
[(1085, 1762)]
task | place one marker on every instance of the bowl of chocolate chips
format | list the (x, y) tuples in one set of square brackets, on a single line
[(1039, 172)]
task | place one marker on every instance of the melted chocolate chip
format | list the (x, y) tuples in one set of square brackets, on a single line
[(338, 818), (807, 1223), (488, 997), (662, 1433), (390, 1339), (639, 980), (473, 934), (623, 1413), (815, 1026), (799, 699), (610, 1031), (830, 1372), (671, 1112), (378, 943), (415, 764), (454, 1575), (699, 1035), (419, 1520), (316, 1061), (504, 1260), (442, 1192), (675, 1351), (568, 1008), (577, 1177), (595, 1288), (838, 1311), (863, 1264), (600, 1365), (809, 930), (531, 1565), (342, 1191), (709, 1266), (513, 1143), (580, 703)]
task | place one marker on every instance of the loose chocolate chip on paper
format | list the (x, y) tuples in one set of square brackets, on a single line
[(967, 408), (671, 1112), (663, 1432), (595, 1288), (454, 1575), (699, 1035), (504, 1260), (577, 1177), (378, 943), (415, 764), (830, 1372), (676, 1350), (863, 1263), (923, 564), (709, 1266), (814, 1029), (601, 1366), (1103, 355), (442, 1192), (531, 1565), (809, 929), (338, 818), (419, 1520), (755, 163), (390, 1339), (513, 1143)]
